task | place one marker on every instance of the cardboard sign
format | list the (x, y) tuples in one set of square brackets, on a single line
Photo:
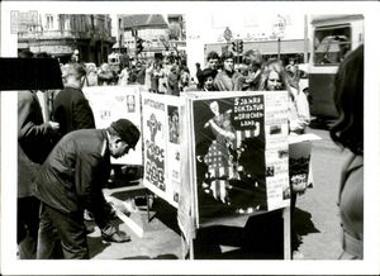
[(161, 135), (239, 153), (110, 103)]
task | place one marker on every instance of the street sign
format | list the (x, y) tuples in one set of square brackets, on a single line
[(227, 34)]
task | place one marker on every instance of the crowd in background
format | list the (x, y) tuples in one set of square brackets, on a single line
[(167, 75)]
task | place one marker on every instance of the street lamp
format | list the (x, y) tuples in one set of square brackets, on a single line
[(278, 30)]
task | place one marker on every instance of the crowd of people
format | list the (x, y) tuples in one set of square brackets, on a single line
[(57, 184), (166, 75)]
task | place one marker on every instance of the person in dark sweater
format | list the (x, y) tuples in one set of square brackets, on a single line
[(70, 108)]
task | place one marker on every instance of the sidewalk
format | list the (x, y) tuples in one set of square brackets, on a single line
[(160, 238)]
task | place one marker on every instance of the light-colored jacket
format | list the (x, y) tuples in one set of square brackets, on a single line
[(223, 82)]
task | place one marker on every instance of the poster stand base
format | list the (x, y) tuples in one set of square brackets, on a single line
[(287, 250)]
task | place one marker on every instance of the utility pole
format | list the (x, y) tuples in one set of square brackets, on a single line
[(306, 40), (227, 36)]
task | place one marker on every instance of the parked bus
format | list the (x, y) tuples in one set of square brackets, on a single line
[(333, 38)]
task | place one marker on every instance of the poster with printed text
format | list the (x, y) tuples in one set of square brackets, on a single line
[(110, 103), (240, 153), (161, 136)]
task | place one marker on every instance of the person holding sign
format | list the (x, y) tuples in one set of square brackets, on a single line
[(71, 180), (348, 132), (275, 78)]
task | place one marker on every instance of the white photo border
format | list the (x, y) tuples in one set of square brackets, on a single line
[(370, 264)]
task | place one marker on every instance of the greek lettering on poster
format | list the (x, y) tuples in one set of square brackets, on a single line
[(155, 155), (248, 113)]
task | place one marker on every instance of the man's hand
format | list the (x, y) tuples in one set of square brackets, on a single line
[(111, 233), (53, 125)]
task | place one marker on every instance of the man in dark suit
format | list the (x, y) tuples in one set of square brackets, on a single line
[(70, 108), (34, 145), (71, 180)]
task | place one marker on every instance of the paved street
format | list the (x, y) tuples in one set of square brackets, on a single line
[(317, 218), (316, 221)]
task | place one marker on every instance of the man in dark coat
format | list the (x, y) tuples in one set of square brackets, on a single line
[(70, 108), (173, 81), (71, 180), (228, 79), (34, 145)]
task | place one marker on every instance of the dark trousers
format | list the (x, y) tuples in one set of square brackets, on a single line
[(65, 230), (27, 226)]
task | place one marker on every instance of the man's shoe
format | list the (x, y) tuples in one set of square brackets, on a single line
[(118, 237), (89, 228)]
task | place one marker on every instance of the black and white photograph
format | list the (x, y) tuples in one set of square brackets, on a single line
[(157, 133)]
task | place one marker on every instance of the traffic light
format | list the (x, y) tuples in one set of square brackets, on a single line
[(240, 47), (237, 46), (139, 46), (234, 46)]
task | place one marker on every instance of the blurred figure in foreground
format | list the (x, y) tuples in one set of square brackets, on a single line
[(34, 144), (348, 132)]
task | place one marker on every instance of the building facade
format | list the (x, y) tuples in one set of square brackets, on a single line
[(61, 35), (160, 34)]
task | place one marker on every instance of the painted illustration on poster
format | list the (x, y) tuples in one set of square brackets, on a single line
[(232, 157), (174, 149), (154, 145), (161, 134)]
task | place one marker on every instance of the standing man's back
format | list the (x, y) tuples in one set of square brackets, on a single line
[(71, 108)]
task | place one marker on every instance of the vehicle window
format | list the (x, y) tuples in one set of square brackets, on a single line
[(331, 45)]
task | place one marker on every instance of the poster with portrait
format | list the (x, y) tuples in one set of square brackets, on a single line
[(110, 103), (161, 138), (239, 153)]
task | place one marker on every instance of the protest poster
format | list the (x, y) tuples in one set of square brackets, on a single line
[(110, 103), (239, 153), (161, 138)]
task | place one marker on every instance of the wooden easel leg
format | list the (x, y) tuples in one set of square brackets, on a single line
[(287, 234), (191, 250)]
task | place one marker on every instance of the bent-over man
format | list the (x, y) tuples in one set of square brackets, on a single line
[(71, 180)]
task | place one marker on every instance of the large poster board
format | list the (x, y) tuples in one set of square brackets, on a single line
[(110, 103), (161, 135), (239, 153)]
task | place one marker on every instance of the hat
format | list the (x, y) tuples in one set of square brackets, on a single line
[(208, 72), (127, 131)]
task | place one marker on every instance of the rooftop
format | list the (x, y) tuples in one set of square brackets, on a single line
[(143, 20)]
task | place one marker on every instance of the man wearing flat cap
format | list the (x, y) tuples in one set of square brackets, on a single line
[(71, 180)]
